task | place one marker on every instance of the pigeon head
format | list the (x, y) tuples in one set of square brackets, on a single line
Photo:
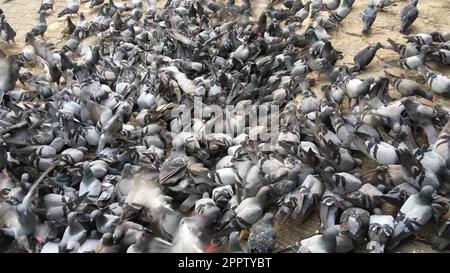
[(263, 195), (435, 35), (86, 167), (107, 239), (426, 192), (95, 214), (370, 80)]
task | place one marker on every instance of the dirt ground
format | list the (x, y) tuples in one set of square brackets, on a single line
[(434, 16)]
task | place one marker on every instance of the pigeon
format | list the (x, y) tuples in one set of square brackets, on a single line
[(354, 223), (381, 4), (414, 213), (235, 245), (106, 244), (249, 211), (52, 59), (20, 221), (332, 5), (7, 33), (307, 198), (73, 43), (178, 130), (321, 243), (342, 12), (414, 62), (440, 36), (355, 88), (105, 223), (441, 145), (303, 13), (41, 27), (46, 5), (82, 26), (441, 241), (72, 7), (367, 197), (407, 87), (95, 3), (73, 236), (420, 39), (368, 17), (439, 83), (365, 56), (408, 16), (440, 56), (262, 237), (405, 51), (70, 26), (381, 228), (423, 116), (315, 7)]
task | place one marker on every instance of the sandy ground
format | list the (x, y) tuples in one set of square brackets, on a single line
[(434, 16)]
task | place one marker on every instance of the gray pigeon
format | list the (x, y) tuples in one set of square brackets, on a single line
[(7, 33), (46, 5), (368, 17), (414, 214), (405, 51), (442, 240), (72, 7), (381, 228), (307, 198), (73, 236), (262, 237), (407, 87), (408, 16), (365, 56), (439, 83), (321, 243), (415, 62), (331, 5), (41, 27), (354, 223), (249, 211)]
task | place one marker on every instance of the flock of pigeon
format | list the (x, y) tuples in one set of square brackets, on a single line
[(93, 158)]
